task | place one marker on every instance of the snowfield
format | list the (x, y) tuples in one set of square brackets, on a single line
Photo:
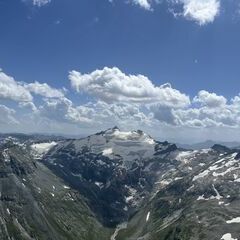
[(228, 236), (114, 143), (234, 220), (42, 148)]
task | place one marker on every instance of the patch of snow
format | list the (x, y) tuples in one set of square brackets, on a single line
[(6, 155), (190, 187), (178, 178), (164, 182), (148, 216), (228, 236), (69, 197), (127, 146), (8, 211), (231, 162), (218, 196), (77, 175), (206, 150), (215, 167), (125, 208), (131, 194), (149, 141), (107, 151), (133, 135), (128, 199), (99, 184), (234, 220), (215, 174), (202, 198), (100, 162), (122, 135), (185, 156), (201, 175), (42, 148)]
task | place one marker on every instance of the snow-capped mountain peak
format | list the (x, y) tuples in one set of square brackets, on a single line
[(115, 144)]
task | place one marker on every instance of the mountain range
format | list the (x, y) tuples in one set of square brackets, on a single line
[(117, 185), (208, 144)]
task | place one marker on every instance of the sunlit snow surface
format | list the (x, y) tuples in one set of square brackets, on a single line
[(42, 148), (228, 236), (148, 216), (234, 220), (114, 143), (107, 152)]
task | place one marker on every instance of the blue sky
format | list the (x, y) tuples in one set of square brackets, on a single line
[(191, 44)]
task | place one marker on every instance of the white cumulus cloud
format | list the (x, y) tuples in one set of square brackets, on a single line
[(211, 100), (111, 84), (200, 11), (62, 110), (114, 98), (7, 116), (23, 92), (43, 89), (13, 90)]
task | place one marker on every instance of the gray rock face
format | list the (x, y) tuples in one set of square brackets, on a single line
[(85, 188), (202, 202), (36, 204)]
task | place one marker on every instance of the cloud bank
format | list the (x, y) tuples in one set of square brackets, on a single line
[(112, 85), (115, 98)]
